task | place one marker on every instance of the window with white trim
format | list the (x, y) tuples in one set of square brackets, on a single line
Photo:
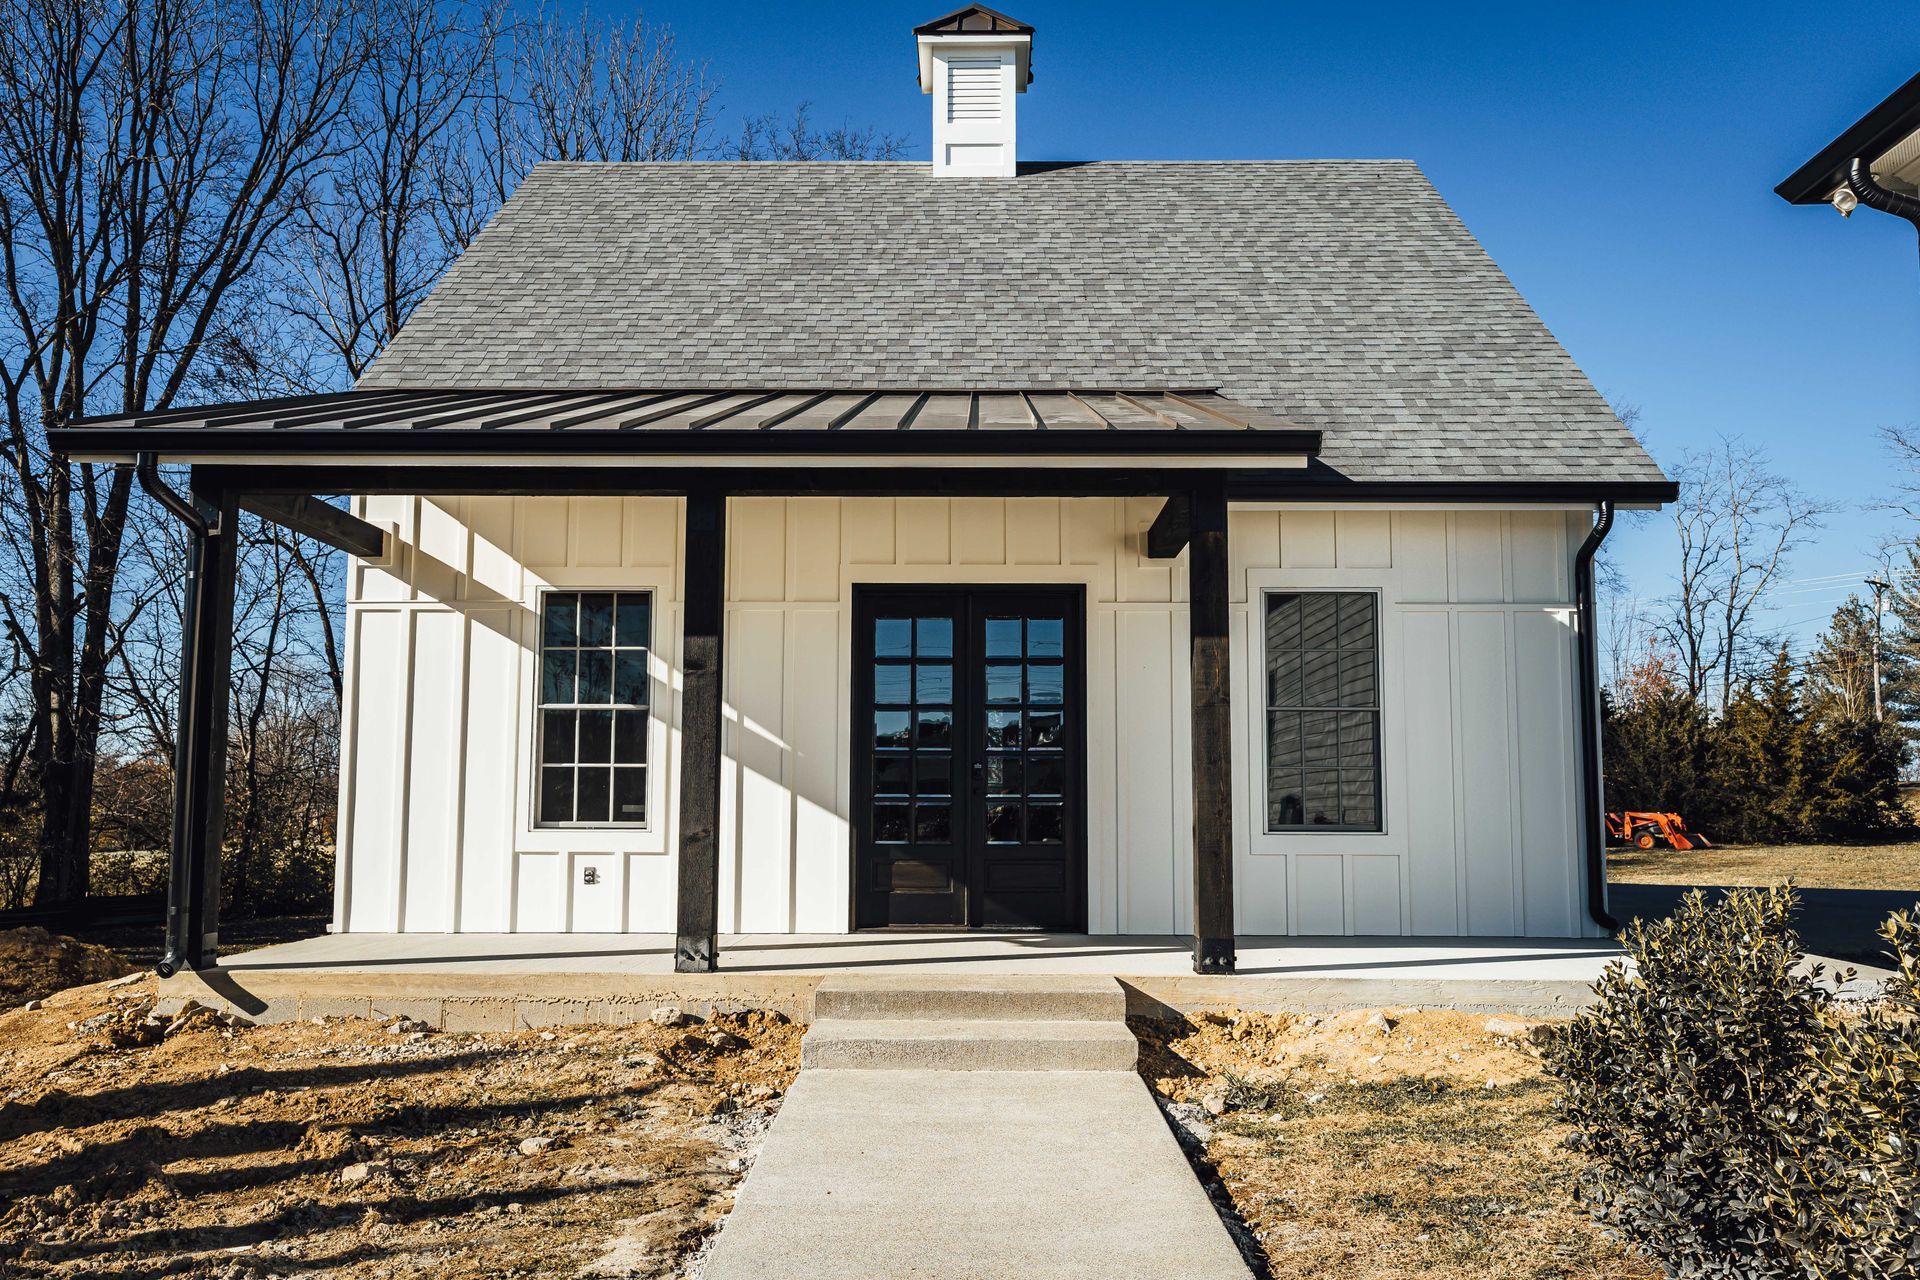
[(1323, 711), (592, 713)]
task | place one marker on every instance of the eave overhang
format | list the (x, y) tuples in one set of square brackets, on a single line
[(1868, 138)]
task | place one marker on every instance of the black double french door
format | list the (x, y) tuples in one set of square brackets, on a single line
[(968, 757)]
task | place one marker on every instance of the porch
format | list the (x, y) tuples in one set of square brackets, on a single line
[(504, 982)]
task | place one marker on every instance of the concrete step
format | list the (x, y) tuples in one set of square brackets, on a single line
[(957, 997), (968, 1044)]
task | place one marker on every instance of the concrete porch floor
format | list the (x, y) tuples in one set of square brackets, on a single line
[(483, 981)]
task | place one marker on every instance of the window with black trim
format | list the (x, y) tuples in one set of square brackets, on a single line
[(1323, 711), (592, 714)]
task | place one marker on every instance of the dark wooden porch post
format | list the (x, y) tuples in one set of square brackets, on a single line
[(1212, 734), (200, 735), (702, 608)]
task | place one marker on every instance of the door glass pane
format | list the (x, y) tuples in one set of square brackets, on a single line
[(1003, 637), (892, 775), (1003, 775), (1003, 729), (1046, 729), (1046, 824), (933, 637), (935, 730), (891, 683), (1003, 823), (893, 638), (890, 728), (1046, 637), (890, 823), (933, 683), (933, 824), (934, 774), (1047, 775), (1003, 682), (1047, 684)]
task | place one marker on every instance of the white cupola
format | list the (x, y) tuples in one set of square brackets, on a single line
[(974, 61)]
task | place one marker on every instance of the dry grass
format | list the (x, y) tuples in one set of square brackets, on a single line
[(344, 1149), (1812, 866), (1427, 1150)]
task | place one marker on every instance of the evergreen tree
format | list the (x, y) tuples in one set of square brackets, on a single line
[(1758, 771), (1900, 650)]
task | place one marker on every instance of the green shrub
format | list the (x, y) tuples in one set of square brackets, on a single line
[(1739, 1121)]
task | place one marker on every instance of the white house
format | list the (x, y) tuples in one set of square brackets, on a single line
[(1124, 548)]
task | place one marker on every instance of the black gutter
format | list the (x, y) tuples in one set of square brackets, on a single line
[(1592, 811), (179, 880), (1870, 137)]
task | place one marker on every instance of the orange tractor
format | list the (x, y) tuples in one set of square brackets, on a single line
[(1640, 830)]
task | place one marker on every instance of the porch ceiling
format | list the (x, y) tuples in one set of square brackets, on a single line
[(704, 422)]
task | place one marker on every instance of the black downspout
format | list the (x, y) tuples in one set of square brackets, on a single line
[(1874, 196), (1593, 821), (180, 880)]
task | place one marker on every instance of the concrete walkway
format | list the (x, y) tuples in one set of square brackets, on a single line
[(972, 1175), (985, 1148)]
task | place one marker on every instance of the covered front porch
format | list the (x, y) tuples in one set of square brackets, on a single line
[(1188, 451)]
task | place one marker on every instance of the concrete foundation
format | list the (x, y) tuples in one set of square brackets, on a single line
[(500, 982)]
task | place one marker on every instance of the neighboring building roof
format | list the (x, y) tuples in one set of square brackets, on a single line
[(1888, 137), (1341, 295), (711, 422)]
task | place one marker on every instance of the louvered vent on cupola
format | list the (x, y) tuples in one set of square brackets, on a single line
[(973, 89), (973, 62)]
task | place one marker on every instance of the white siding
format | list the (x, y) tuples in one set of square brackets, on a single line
[(1478, 746), (1479, 754)]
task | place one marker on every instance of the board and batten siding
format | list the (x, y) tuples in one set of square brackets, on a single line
[(1479, 752)]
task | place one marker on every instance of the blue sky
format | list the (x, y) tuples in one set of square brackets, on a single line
[(1616, 159)]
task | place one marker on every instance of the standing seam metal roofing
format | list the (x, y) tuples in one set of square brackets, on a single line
[(1340, 295)]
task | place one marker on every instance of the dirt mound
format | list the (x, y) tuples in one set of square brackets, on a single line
[(1304, 1050), (191, 1144), (34, 964)]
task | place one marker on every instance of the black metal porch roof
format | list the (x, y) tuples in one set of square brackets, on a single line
[(703, 421)]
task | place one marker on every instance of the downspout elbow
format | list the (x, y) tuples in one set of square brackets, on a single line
[(1867, 191), (147, 467), (1593, 815)]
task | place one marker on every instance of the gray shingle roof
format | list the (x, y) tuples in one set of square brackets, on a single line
[(1343, 295)]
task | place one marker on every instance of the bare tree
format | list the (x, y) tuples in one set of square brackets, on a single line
[(375, 233), (1738, 523), (767, 137), (149, 155), (622, 93)]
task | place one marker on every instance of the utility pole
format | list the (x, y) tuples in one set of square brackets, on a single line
[(1880, 588)]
